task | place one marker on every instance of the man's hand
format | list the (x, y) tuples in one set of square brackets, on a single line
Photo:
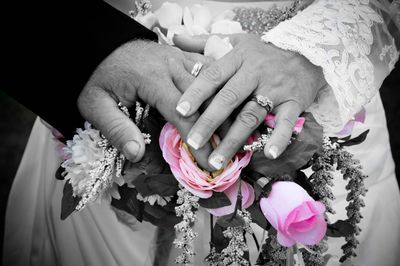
[(252, 68), (146, 70)]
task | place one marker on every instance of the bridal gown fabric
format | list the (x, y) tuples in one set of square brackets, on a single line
[(35, 235)]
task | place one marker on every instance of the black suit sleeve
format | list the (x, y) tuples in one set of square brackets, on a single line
[(52, 47)]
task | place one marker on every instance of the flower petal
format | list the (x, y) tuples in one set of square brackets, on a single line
[(285, 240), (247, 199), (201, 16), (148, 20), (226, 27), (312, 236), (187, 17), (169, 14)]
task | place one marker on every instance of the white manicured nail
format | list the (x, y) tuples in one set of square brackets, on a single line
[(273, 151), (183, 108), (131, 150), (217, 161), (195, 140)]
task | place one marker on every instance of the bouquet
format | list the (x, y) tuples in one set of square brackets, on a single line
[(167, 187)]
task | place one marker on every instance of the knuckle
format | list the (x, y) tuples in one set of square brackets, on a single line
[(287, 122), (282, 139), (205, 125), (228, 97), (171, 60), (232, 144), (212, 74), (180, 120), (194, 93), (86, 101), (115, 131), (249, 119), (297, 105)]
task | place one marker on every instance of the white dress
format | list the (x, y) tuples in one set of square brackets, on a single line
[(35, 234)]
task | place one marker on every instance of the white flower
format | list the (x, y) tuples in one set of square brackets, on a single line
[(152, 199), (84, 155), (198, 16), (149, 20), (226, 15), (217, 47), (195, 20), (169, 14), (226, 27)]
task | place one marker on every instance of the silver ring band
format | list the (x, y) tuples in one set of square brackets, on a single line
[(196, 69), (264, 102)]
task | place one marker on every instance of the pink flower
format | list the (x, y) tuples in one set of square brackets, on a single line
[(201, 183), (231, 192), (294, 214), (270, 122), (348, 128)]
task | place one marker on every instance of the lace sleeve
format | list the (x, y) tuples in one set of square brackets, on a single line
[(350, 41)]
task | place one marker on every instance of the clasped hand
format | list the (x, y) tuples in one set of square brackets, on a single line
[(251, 68), (160, 76)]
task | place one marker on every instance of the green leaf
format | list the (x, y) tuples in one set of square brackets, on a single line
[(257, 216), (230, 220), (68, 202), (355, 141), (152, 162), (128, 202), (298, 153), (163, 216), (219, 241), (302, 180), (340, 229), (60, 173), (159, 184), (217, 200)]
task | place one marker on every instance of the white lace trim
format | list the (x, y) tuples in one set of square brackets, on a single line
[(338, 36)]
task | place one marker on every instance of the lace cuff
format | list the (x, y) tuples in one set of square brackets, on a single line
[(349, 40)]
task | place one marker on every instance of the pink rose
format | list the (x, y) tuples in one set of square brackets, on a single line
[(231, 193), (270, 122), (294, 214), (201, 183)]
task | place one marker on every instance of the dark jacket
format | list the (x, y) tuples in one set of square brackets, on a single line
[(50, 48)]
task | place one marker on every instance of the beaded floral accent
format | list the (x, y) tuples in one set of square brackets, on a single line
[(142, 7), (187, 208), (257, 20)]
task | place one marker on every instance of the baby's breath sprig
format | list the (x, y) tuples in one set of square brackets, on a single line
[(234, 253), (335, 157), (322, 178), (313, 256), (272, 253), (188, 204), (94, 165)]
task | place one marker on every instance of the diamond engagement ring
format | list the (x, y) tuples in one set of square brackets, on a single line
[(264, 102), (196, 69)]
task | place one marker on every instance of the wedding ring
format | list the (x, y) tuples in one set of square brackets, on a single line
[(196, 69), (264, 102)]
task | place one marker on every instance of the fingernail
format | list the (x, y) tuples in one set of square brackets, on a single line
[(195, 140), (183, 108), (217, 161), (131, 150), (273, 151)]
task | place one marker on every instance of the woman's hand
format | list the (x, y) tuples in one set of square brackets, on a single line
[(252, 68)]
